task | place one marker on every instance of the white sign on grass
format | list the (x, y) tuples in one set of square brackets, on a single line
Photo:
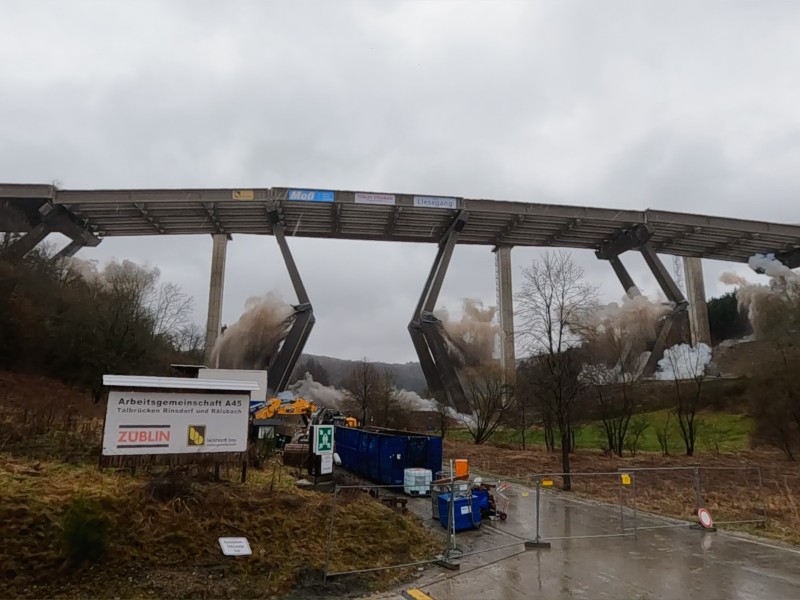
[(235, 546), (139, 422)]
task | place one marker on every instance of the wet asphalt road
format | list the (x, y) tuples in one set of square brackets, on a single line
[(660, 563)]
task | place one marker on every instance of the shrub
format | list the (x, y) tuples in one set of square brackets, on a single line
[(84, 531), (638, 425)]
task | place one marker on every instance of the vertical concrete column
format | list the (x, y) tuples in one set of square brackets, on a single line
[(696, 294), (505, 301), (215, 290)]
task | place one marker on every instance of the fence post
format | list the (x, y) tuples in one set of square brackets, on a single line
[(635, 525), (697, 497), (621, 513), (761, 493), (537, 541), (330, 535), (450, 550)]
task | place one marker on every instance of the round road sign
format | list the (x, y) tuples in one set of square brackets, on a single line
[(705, 518)]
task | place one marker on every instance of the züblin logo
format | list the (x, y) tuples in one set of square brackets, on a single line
[(196, 435)]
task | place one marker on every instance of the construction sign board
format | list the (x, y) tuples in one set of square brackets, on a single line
[(158, 420)]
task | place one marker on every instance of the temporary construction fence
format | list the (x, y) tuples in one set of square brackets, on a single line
[(598, 505), (732, 495), (561, 515)]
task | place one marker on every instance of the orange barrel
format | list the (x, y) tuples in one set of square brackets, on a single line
[(462, 467)]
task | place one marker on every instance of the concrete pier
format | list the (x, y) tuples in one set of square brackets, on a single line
[(696, 294), (505, 306), (215, 292)]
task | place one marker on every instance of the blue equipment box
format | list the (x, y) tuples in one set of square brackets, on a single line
[(464, 518)]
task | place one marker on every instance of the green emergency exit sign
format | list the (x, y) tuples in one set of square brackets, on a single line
[(323, 439)]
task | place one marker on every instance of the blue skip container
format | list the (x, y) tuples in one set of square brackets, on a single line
[(464, 517)]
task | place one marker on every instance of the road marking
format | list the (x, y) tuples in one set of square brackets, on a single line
[(416, 594)]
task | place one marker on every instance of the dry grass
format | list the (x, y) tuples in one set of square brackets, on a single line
[(168, 547), (164, 527), (733, 494)]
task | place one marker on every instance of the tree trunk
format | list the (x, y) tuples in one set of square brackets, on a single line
[(565, 439)]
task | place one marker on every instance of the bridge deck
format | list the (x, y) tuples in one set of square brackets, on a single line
[(390, 217)]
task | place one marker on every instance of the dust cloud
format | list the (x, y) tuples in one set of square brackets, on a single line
[(472, 339), (766, 304), (414, 402), (636, 318), (336, 399), (684, 361), (321, 395), (254, 340)]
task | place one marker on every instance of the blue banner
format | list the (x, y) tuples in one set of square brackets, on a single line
[(311, 195)]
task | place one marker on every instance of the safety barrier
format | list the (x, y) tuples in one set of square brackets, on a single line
[(617, 504), (573, 515), (733, 495)]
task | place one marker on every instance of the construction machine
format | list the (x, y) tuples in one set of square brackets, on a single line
[(326, 416), (285, 404)]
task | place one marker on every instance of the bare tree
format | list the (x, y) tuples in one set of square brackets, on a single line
[(614, 367), (362, 387), (190, 339), (171, 308), (777, 320), (553, 305), (490, 398), (688, 371), (663, 434), (444, 418), (524, 415), (387, 409), (442, 408)]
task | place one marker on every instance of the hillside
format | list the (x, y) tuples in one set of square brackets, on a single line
[(739, 359), (82, 532), (407, 376)]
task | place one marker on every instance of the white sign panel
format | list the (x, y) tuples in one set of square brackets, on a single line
[(139, 422), (383, 199), (435, 202), (235, 546), (326, 464)]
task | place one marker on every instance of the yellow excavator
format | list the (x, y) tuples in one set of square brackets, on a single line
[(291, 406), (279, 407)]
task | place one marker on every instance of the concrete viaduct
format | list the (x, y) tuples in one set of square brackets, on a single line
[(88, 216)]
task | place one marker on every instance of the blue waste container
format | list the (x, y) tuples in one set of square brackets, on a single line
[(464, 517)]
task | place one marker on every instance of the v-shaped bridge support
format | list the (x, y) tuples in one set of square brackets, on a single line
[(638, 238), (427, 331), (282, 365)]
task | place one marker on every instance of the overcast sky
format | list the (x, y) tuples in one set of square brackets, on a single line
[(684, 106)]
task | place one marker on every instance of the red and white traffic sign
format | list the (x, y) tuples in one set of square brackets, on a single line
[(705, 518)]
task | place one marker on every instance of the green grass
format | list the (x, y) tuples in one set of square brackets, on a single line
[(716, 430)]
